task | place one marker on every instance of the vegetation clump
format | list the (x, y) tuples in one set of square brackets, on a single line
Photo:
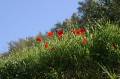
[(86, 47)]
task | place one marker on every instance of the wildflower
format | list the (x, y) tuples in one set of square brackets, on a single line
[(84, 41), (80, 31), (39, 39), (60, 33), (46, 45), (50, 34)]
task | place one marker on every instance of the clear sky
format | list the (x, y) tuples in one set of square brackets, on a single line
[(24, 18)]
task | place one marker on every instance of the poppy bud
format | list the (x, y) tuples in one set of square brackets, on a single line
[(39, 39), (46, 45), (50, 34)]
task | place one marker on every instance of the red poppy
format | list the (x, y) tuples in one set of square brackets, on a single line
[(83, 30), (50, 34), (46, 45), (39, 39), (84, 41), (60, 33), (80, 31)]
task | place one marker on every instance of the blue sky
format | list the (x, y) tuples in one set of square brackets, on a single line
[(24, 18)]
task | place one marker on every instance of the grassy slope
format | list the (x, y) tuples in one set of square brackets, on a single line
[(67, 58)]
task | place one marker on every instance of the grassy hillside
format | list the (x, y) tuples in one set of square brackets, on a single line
[(72, 54), (82, 47)]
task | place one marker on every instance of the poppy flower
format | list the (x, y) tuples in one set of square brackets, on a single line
[(80, 31), (60, 33), (39, 39), (46, 45), (50, 34), (84, 41)]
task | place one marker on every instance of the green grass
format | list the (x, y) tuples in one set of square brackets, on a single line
[(67, 58)]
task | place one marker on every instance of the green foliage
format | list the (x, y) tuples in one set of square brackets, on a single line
[(20, 45), (106, 48), (67, 59), (97, 9), (110, 74)]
